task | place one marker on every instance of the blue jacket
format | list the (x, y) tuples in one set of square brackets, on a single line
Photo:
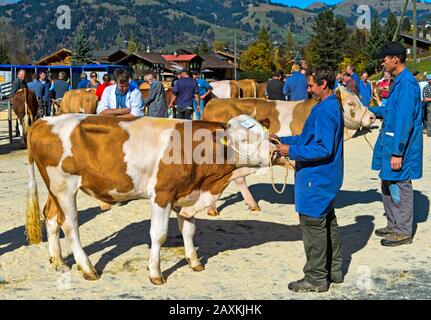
[(83, 83), (356, 78), (46, 96), (401, 133), (318, 153), (365, 93), (296, 87), (37, 87)]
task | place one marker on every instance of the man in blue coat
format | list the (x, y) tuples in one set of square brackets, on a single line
[(318, 153), (365, 90), (399, 149), (295, 86)]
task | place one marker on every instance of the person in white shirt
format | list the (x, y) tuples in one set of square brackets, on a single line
[(120, 99)]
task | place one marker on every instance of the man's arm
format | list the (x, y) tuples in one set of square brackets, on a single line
[(136, 103), (174, 96), (289, 140), (404, 120), (378, 111), (286, 87), (116, 112), (427, 94), (322, 145), (153, 92)]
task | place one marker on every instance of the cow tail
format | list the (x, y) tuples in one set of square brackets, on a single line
[(26, 120), (33, 225)]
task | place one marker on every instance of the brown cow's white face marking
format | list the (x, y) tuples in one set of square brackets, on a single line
[(356, 115), (221, 89), (250, 141)]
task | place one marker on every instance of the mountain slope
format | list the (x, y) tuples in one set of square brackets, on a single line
[(167, 23)]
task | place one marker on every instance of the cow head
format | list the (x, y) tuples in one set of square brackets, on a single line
[(356, 115), (249, 140)]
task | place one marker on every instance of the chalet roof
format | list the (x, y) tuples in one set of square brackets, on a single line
[(179, 57), (63, 52), (215, 61)]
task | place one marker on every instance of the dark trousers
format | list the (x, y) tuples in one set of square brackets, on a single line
[(185, 113), (322, 244), (397, 199)]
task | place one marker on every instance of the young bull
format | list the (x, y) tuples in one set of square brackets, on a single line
[(286, 118), (178, 165), (25, 106)]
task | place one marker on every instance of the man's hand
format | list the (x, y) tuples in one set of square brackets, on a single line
[(283, 149), (396, 163), (274, 138)]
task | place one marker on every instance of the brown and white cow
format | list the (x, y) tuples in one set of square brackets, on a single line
[(225, 89), (25, 106), (261, 90), (248, 88), (114, 160), (77, 101), (286, 118)]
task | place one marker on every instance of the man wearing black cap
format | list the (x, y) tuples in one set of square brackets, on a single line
[(399, 149), (185, 91)]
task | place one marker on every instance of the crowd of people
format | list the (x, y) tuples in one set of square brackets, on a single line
[(188, 99)]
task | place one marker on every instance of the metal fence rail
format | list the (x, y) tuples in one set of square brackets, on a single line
[(6, 104)]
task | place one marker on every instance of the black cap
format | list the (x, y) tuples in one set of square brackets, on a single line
[(195, 71), (391, 49), (185, 70)]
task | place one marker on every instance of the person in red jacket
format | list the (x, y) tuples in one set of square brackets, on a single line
[(106, 83)]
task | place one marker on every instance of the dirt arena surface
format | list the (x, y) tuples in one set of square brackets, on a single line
[(246, 255)]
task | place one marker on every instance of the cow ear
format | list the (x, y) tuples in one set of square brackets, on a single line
[(266, 123), (339, 99)]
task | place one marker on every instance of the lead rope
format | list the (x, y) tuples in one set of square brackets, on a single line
[(272, 172)]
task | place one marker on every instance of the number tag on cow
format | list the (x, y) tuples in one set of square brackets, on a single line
[(250, 123)]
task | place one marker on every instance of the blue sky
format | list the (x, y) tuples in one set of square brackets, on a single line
[(305, 3)]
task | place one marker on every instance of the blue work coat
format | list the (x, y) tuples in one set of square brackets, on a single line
[(401, 132), (318, 152)]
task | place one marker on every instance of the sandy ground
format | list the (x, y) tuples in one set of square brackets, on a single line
[(247, 256)]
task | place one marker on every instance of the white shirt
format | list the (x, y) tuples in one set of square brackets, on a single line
[(134, 101)]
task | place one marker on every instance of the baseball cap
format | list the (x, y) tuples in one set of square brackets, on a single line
[(184, 70), (391, 49)]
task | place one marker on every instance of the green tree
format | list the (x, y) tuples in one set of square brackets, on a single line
[(374, 42), (132, 44), (4, 57), (406, 25), (390, 28), (260, 55), (328, 42), (202, 48), (219, 45), (82, 49)]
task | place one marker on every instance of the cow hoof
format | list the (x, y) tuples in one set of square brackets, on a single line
[(90, 276), (106, 207), (198, 267), (59, 265), (158, 281), (213, 212), (255, 209)]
